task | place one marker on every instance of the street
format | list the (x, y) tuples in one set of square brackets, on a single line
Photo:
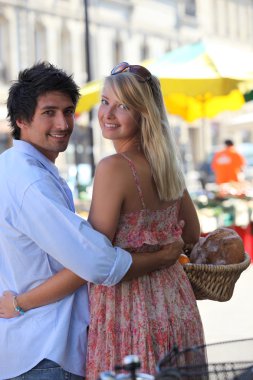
[(231, 320)]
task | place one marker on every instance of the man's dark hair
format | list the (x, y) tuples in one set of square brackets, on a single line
[(33, 82), (228, 142)]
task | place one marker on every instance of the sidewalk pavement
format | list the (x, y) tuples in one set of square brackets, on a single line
[(224, 321)]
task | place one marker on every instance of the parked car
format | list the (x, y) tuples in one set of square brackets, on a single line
[(206, 174)]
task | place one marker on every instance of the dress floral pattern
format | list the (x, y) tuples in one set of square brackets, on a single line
[(146, 316)]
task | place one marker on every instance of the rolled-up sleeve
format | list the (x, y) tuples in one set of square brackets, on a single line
[(55, 230)]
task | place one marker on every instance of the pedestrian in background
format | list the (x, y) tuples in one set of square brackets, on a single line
[(227, 164), (40, 234)]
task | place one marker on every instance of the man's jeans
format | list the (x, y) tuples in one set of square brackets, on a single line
[(47, 370)]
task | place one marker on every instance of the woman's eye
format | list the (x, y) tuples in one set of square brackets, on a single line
[(123, 106), (103, 101)]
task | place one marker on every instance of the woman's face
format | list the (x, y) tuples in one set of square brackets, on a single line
[(118, 122)]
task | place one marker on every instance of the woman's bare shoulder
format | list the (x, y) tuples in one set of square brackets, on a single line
[(114, 163)]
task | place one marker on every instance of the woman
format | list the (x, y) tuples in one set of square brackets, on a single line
[(141, 203)]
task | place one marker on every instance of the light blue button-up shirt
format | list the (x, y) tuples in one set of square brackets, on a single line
[(39, 235)]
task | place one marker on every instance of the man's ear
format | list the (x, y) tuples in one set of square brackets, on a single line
[(21, 123)]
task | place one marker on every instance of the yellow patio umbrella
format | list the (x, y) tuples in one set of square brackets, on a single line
[(202, 106), (201, 80), (198, 80)]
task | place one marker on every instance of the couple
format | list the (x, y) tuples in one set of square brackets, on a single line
[(141, 301)]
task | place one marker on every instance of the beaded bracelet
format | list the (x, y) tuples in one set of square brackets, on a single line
[(16, 307)]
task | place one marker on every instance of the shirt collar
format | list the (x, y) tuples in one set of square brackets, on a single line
[(27, 148)]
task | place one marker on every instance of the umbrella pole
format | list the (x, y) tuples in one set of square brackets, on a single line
[(205, 131)]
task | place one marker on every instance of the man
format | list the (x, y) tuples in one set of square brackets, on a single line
[(40, 234), (227, 164)]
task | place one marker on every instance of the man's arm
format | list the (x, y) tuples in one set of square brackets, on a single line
[(104, 216), (55, 288), (66, 282)]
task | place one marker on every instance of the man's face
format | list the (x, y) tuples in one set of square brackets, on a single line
[(51, 126)]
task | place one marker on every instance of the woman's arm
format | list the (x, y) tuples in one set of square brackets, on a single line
[(55, 288), (111, 186), (148, 262), (187, 212)]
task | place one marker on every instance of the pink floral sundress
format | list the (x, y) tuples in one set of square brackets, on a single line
[(146, 316)]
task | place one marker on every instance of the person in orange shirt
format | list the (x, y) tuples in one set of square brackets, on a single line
[(227, 164)]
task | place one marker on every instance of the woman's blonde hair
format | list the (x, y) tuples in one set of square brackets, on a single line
[(157, 139)]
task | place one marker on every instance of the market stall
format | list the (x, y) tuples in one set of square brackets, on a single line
[(228, 205)]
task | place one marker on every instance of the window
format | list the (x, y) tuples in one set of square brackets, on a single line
[(4, 49), (144, 51), (65, 53), (40, 42), (190, 8), (117, 51)]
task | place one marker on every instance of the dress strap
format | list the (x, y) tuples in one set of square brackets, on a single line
[(136, 179)]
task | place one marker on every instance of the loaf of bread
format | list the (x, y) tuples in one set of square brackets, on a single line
[(222, 246)]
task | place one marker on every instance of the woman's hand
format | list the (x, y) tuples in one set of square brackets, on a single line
[(148, 262), (171, 252), (6, 305)]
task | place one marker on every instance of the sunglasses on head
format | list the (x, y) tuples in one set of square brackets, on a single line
[(140, 71)]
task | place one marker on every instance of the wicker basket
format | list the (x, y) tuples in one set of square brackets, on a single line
[(215, 282)]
